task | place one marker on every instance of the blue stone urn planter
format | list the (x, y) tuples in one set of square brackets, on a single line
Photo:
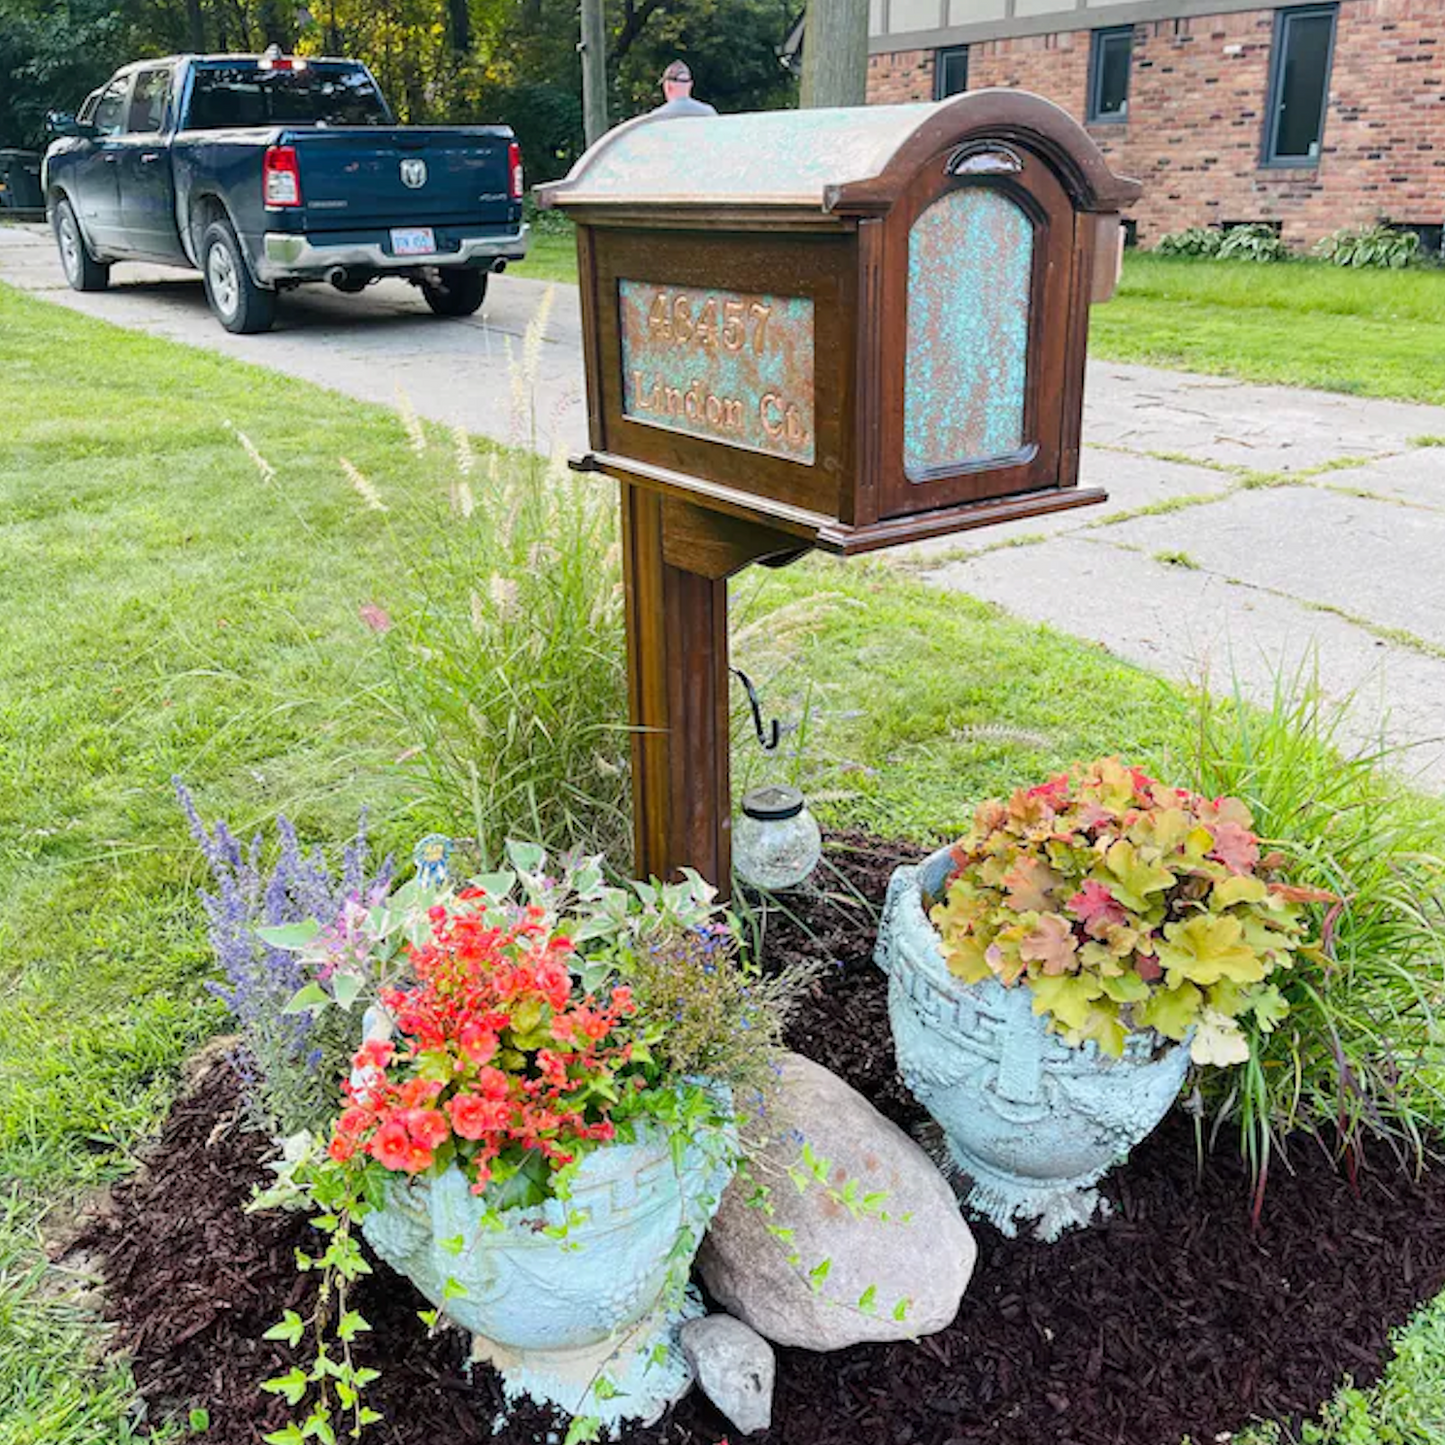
[(555, 1310), (1031, 1122)]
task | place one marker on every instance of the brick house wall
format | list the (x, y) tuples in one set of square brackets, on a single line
[(1198, 93), (901, 76)]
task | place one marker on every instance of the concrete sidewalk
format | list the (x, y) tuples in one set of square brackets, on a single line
[(1249, 531), (1249, 528)]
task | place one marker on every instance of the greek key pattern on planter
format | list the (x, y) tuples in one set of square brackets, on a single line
[(533, 1290), (1032, 1123)]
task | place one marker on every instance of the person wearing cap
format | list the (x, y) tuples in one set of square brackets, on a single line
[(677, 87)]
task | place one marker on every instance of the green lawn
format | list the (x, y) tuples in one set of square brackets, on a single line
[(551, 256), (168, 606), (1370, 333)]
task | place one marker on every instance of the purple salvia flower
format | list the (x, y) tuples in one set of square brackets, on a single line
[(279, 1060)]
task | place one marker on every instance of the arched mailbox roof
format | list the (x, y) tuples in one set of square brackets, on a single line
[(844, 161)]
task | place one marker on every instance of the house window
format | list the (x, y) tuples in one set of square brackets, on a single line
[(1109, 60), (1299, 85), (950, 72)]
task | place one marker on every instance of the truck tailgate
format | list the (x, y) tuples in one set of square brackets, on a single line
[(366, 176)]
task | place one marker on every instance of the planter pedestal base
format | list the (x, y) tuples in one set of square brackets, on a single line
[(644, 1366), (1051, 1208)]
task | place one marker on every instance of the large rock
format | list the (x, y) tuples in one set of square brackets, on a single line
[(873, 1248), (735, 1369)]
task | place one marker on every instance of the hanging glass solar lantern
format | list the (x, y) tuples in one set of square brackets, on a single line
[(776, 842)]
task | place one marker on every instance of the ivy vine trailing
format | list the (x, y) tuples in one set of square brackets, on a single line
[(331, 1383), (812, 1171)]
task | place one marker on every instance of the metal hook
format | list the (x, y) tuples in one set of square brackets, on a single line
[(757, 707)]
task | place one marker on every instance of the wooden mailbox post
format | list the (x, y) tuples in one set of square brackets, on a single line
[(842, 329)]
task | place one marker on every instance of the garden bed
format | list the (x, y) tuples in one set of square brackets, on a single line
[(1172, 1318)]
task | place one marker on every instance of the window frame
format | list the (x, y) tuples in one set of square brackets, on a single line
[(125, 82), (247, 71), (1274, 110), (169, 72), (1097, 41), (939, 57)]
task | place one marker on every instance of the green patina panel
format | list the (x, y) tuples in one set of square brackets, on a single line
[(731, 366), (970, 265), (778, 155)]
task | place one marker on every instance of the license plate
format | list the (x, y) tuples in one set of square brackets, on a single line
[(414, 241)]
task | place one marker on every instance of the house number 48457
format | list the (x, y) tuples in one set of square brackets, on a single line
[(685, 320)]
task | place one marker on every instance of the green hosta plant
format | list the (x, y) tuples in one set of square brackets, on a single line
[(1377, 245), (1257, 242), (1192, 241), (1125, 905)]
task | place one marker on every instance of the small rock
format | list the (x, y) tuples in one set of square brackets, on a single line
[(824, 1270), (735, 1368)]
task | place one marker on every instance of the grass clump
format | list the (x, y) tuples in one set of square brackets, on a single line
[(1359, 1059), (505, 642), (1405, 1407), (54, 1390), (508, 658)]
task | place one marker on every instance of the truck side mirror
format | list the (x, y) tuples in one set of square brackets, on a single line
[(61, 123)]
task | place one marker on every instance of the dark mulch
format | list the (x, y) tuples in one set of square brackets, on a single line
[(1170, 1318)]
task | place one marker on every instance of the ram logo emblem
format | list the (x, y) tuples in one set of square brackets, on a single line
[(413, 174)]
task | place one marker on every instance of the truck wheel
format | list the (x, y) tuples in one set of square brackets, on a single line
[(82, 270), (237, 302), (455, 292)]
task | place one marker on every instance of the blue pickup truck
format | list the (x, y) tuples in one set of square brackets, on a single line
[(266, 171)]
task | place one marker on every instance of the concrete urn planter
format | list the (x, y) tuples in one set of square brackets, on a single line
[(1031, 1122), (554, 1310)]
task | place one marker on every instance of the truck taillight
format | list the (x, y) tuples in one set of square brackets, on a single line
[(281, 177), (514, 169)]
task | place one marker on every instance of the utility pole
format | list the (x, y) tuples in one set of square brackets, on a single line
[(594, 71), (835, 53)]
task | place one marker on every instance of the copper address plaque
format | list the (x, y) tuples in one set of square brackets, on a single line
[(730, 366)]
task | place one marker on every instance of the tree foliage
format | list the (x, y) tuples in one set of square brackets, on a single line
[(438, 61), (51, 56)]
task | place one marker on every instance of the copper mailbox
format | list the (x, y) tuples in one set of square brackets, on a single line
[(841, 329), (859, 327)]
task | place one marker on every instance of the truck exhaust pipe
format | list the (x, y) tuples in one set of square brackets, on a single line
[(348, 281)]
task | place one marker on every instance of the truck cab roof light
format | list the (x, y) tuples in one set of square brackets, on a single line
[(273, 59)]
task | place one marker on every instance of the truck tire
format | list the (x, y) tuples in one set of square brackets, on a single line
[(81, 269), (236, 301), (456, 292)]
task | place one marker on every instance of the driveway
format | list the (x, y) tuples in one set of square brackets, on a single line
[(369, 346), (1249, 529)]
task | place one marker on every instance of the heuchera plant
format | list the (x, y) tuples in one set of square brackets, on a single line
[(1125, 905)]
